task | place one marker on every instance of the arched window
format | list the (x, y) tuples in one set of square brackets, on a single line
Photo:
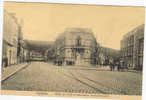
[(78, 43)]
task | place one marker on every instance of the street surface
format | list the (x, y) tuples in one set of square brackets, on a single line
[(41, 76)]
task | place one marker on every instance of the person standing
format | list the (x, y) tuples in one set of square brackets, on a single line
[(118, 65), (111, 64)]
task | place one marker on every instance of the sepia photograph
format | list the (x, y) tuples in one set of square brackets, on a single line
[(72, 49)]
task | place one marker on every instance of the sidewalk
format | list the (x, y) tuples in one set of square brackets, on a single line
[(11, 70), (98, 68), (135, 71)]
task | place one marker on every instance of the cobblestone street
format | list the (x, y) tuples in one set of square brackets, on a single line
[(40, 76)]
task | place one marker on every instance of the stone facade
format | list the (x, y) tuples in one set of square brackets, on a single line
[(10, 39), (13, 51), (76, 46), (132, 46)]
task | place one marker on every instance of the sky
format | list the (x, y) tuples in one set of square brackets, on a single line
[(44, 21)]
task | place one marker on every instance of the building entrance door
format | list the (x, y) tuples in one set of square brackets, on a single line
[(10, 57)]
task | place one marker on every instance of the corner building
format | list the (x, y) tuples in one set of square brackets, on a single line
[(76, 46)]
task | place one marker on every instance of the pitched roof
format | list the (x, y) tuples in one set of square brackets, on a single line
[(76, 31)]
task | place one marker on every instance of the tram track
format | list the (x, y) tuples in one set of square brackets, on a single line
[(97, 83), (97, 87)]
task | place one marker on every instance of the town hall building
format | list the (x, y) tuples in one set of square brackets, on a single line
[(76, 46)]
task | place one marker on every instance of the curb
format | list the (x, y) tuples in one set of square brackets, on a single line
[(13, 73)]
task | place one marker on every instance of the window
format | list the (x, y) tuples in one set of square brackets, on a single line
[(78, 43), (141, 46)]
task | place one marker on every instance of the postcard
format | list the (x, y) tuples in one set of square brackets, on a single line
[(71, 50)]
